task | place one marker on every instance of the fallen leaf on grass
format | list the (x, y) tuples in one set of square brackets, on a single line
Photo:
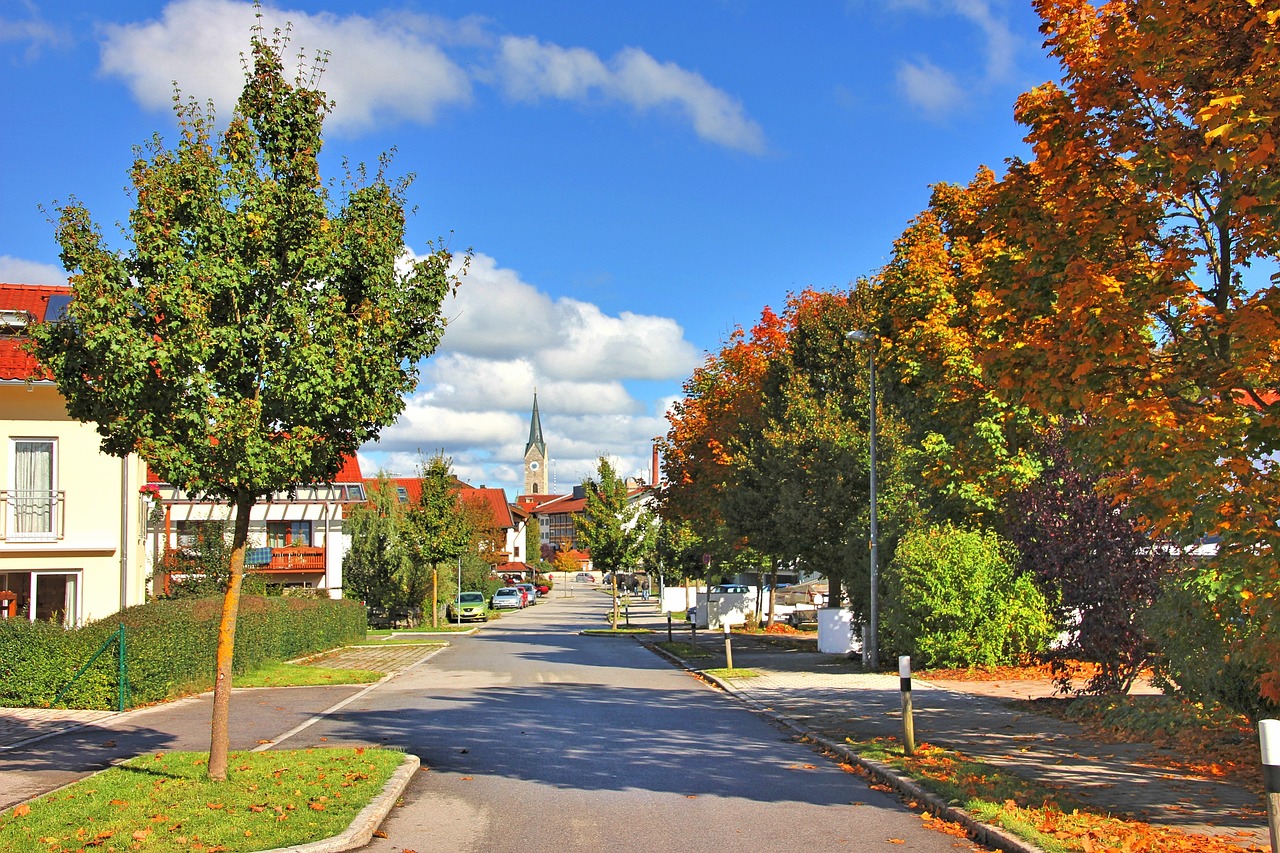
[(21, 810)]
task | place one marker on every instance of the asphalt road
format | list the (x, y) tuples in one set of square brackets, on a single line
[(535, 738)]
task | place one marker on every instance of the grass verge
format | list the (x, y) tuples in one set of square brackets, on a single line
[(411, 634), (684, 651), (736, 672), (162, 803), (1047, 817), (302, 675)]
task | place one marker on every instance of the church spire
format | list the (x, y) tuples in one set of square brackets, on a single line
[(535, 431), (535, 455)]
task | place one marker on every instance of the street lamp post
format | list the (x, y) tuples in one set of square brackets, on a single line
[(871, 647)]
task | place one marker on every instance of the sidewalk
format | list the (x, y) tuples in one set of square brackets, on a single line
[(829, 697), (33, 760)]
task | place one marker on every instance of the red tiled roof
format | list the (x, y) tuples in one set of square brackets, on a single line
[(348, 473), (15, 362), (496, 500), (562, 503)]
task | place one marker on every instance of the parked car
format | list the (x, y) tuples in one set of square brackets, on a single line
[(583, 577), (542, 587), (507, 598), (729, 587), (469, 605), (530, 593)]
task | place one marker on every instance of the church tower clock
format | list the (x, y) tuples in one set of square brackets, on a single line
[(535, 456)]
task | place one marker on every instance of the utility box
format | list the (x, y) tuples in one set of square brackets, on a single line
[(835, 631)]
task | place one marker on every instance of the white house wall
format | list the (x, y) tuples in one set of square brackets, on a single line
[(103, 519)]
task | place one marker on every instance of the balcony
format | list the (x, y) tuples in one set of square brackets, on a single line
[(295, 558), (30, 515)]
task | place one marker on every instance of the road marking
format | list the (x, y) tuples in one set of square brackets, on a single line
[(345, 702)]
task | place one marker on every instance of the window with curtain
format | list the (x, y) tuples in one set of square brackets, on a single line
[(288, 534), (33, 499)]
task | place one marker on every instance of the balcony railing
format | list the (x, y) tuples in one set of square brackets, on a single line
[(296, 558), (32, 515)]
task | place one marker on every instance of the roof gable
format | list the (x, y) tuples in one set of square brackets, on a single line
[(33, 299)]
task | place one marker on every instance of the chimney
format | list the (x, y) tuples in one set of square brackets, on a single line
[(654, 480)]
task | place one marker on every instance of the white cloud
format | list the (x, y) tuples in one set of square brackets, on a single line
[(531, 70), (506, 339), (34, 32), (393, 66), (937, 91), (1001, 46), (496, 315), (381, 69), (18, 271), (929, 87)]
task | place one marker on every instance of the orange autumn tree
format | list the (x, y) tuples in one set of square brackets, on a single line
[(1122, 277), (719, 398), (800, 488), (975, 446)]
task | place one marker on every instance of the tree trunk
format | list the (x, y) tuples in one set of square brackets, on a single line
[(773, 593), (219, 735)]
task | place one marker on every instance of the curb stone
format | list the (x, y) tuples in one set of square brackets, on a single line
[(983, 833), (360, 832)]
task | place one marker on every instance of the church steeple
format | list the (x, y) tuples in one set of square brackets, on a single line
[(535, 430), (535, 455)]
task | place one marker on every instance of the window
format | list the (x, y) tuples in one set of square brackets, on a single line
[(403, 494), (194, 534), (33, 501), (288, 534)]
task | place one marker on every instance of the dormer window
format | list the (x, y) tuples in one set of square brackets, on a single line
[(14, 322)]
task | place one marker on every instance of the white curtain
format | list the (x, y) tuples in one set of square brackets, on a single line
[(33, 474)]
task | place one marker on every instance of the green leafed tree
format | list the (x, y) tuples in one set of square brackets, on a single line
[(440, 531), (254, 331), (617, 532), (377, 560)]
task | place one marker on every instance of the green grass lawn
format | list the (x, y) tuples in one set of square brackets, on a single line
[(162, 802), (736, 672), (301, 675)]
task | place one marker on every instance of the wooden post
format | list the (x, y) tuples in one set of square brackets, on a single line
[(728, 646), (908, 724), (1269, 736)]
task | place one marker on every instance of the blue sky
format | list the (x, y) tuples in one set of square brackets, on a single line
[(636, 179)]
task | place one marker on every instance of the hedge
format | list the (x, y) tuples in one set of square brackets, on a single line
[(170, 648)]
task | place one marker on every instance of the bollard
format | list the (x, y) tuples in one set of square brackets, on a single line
[(669, 640), (728, 647), (1269, 736), (908, 724)]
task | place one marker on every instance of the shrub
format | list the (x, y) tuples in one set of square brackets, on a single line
[(952, 599), (1199, 651), (170, 648)]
